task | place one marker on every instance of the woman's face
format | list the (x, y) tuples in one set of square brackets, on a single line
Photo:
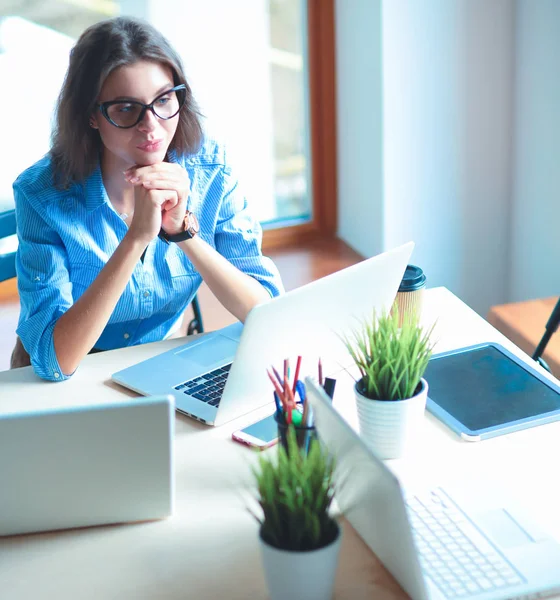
[(147, 142)]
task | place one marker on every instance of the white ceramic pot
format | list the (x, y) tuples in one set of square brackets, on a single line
[(389, 426), (291, 575)]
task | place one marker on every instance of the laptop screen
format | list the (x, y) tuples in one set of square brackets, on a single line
[(368, 494)]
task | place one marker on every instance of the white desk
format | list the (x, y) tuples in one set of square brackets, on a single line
[(209, 549)]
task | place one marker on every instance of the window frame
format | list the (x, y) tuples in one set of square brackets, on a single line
[(322, 127)]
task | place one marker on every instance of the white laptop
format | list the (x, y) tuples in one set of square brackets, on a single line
[(433, 544), (75, 467), (209, 385)]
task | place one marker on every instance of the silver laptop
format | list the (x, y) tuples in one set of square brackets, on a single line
[(209, 385), (75, 467), (435, 545)]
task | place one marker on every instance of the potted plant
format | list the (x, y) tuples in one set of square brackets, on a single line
[(391, 392), (300, 540)]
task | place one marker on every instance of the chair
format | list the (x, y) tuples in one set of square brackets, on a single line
[(20, 358), (7, 259), (195, 324), (523, 324)]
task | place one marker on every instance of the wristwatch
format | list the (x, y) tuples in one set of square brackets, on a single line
[(190, 229)]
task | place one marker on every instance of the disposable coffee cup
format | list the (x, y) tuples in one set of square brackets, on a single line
[(410, 296)]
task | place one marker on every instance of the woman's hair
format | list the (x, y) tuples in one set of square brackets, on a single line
[(101, 49)]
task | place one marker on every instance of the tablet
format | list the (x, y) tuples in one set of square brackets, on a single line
[(484, 391)]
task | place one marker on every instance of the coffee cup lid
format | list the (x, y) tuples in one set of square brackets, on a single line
[(414, 279)]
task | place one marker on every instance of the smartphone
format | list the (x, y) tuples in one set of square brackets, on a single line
[(261, 434)]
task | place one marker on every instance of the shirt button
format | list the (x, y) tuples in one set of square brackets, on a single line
[(146, 294), (56, 375), (126, 336)]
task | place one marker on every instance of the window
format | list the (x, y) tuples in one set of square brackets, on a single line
[(289, 94), (261, 70), (319, 63)]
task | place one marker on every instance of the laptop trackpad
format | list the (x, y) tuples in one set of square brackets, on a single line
[(503, 528), (206, 353)]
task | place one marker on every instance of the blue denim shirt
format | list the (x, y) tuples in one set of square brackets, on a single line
[(67, 236)]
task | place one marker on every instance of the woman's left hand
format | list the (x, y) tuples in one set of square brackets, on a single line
[(165, 176)]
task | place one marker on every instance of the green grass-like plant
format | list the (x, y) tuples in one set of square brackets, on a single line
[(295, 492), (391, 359)]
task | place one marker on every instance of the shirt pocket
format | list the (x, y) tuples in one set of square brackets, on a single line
[(179, 265), (184, 279)]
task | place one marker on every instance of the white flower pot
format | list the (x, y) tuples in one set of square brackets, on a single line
[(292, 575), (389, 426)]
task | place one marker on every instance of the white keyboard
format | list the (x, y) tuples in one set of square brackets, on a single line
[(454, 554)]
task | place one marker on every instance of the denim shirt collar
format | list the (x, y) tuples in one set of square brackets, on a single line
[(94, 190)]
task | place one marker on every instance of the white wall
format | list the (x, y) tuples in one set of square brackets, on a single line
[(359, 124), (224, 46), (30, 83), (443, 175), (535, 265), (447, 119)]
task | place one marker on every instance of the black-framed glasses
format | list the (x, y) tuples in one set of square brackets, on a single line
[(128, 113)]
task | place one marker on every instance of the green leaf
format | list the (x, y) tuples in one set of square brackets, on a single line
[(295, 493), (391, 360)]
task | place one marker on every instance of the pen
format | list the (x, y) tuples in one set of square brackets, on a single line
[(304, 416), (329, 386), (278, 406), (300, 389), (307, 417), (297, 417)]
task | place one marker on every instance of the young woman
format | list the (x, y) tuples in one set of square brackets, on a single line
[(131, 209)]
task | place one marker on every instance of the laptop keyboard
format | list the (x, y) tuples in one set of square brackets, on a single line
[(208, 387), (456, 556)]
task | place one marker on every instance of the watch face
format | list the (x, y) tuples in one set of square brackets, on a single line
[(191, 222)]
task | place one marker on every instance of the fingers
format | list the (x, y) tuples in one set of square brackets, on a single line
[(167, 199), (161, 170), (162, 184), (179, 196), (162, 199), (162, 176), (170, 203)]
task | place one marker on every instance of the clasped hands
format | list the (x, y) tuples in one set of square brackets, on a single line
[(160, 199)]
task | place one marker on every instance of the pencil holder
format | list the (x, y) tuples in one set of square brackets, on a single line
[(304, 435)]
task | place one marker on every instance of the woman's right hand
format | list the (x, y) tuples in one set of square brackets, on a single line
[(148, 208)]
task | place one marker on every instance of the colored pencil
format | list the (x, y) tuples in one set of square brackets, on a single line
[(280, 380), (289, 394), (298, 365), (278, 389)]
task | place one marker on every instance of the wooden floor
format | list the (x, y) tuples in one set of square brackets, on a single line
[(296, 265)]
